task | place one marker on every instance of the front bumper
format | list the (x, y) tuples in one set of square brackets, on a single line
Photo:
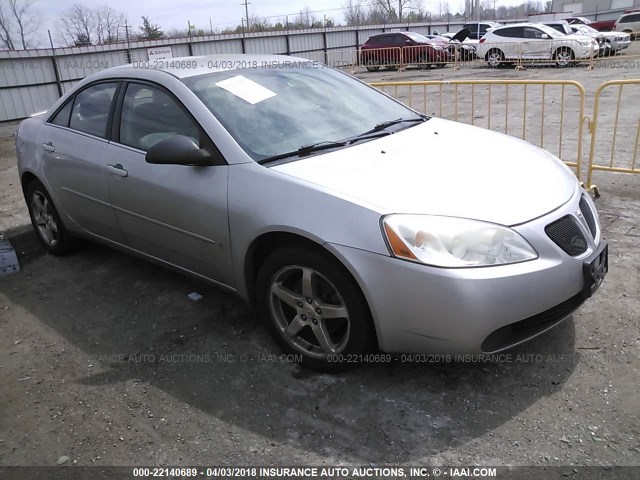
[(420, 309), (621, 44)]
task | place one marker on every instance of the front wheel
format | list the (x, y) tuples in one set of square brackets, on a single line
[(563, 57), (313, 308), (46, 221)]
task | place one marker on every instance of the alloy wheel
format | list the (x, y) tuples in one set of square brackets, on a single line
[(309, 311), (44, 218)]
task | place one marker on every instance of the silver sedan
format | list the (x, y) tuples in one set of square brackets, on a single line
[(321, 201)]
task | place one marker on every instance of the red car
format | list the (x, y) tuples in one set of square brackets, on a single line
[(403, 48), (601, 26)]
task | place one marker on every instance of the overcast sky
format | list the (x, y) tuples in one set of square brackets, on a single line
[(175, 13)]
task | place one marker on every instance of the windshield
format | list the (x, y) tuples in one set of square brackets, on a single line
[(552, 32), (274, 110), (416, 37), (587, 29)]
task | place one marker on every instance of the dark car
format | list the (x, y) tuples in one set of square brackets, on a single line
[(478, 29), (401, 48)]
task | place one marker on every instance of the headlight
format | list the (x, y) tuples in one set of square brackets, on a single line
[(586, 42), (454, 242)]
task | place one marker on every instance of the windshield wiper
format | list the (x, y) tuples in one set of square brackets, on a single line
[(389, 123), (375, 132), (305, 150)]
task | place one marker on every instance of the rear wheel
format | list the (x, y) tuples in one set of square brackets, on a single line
[(47, 222), (564, 57), (313, 307), (495, 58)]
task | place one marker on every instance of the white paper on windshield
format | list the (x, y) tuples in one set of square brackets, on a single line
[(246, 89)]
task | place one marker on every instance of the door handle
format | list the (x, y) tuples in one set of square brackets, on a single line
[(118, 169), (48, 147)]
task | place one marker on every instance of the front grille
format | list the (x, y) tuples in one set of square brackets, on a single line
[(566, 233), (517, 332), (587, 213)]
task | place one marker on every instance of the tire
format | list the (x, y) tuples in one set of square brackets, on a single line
[(564, 57), (373, 68), (46, 221), (611, 52), (300, 323), (495, 58)]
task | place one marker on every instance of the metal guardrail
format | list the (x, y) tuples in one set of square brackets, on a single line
[(499, 101), (621, 158)]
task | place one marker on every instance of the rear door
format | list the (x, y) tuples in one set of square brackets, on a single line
[(175, 213), (75, 145), (508, 40)]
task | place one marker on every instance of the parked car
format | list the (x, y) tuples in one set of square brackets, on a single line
[(601, 26), (318, 199), (564, 28), (398, 48), (456, 46), (629, 23), (616, 40), (478, 29), (533, 41)]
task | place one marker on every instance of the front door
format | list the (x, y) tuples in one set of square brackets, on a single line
[(174, 213)]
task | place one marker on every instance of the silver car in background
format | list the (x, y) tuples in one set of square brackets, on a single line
[(318, 199), (617, 40)]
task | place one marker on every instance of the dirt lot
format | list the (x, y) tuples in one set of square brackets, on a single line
[(103, 359)]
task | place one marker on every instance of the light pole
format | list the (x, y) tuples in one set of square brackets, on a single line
[(246, 12)]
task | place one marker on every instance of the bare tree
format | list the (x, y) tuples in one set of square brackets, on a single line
[(388, 7), (27, 21), (79, 24), (355, 12), (305, 18), (18, 22), (109, 22), (6, 36)]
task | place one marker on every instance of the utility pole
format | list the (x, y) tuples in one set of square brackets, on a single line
[(246, 12), (494, 10)]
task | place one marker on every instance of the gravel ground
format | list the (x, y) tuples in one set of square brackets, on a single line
[(103, 359)]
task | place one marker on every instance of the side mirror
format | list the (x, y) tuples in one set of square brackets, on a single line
[(181, 150), (545, 36)]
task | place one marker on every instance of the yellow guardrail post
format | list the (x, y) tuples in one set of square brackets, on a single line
[(593, 166)]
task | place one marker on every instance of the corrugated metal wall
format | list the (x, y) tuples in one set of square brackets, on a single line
[(32, 80)]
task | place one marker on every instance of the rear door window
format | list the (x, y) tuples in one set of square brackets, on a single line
[(90, 113), (62, 117)]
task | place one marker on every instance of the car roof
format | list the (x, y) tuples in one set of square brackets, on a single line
[(521, 24), (183, 67), (392, 33)]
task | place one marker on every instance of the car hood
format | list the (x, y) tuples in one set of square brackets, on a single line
[(443, 168), (574, 36)]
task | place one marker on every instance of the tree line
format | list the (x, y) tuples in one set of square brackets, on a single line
[(83, 25)]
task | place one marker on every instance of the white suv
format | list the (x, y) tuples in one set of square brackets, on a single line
[(533, 41), (629, 23)]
